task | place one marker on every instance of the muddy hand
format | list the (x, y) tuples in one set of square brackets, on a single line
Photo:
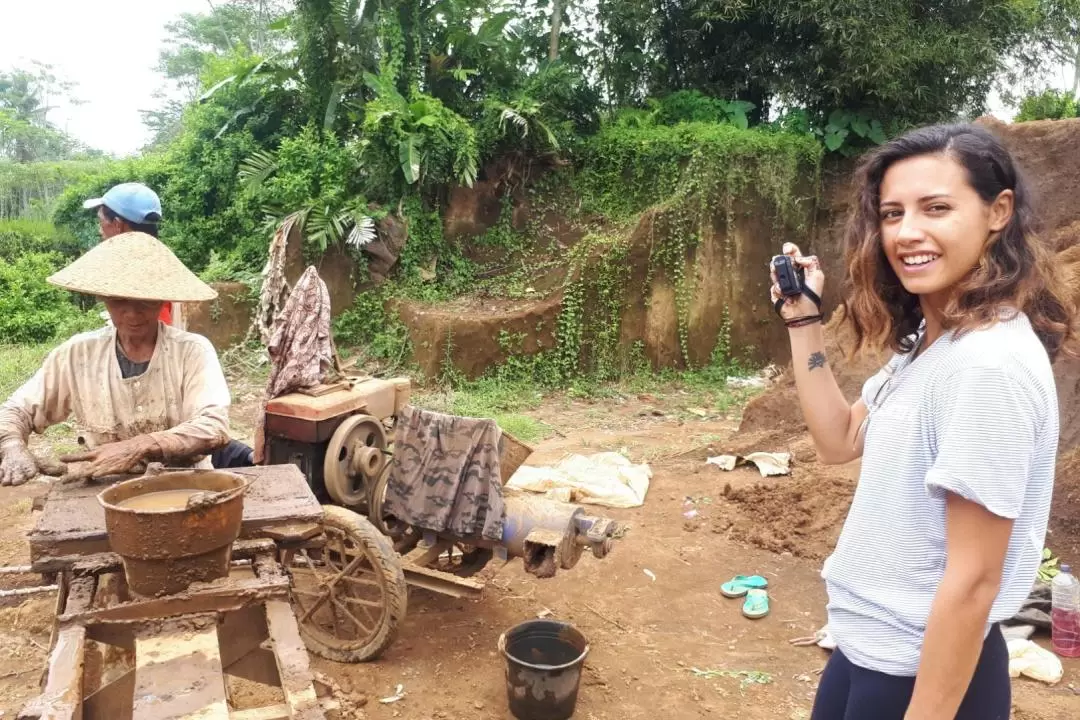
[(813, 277), (18, 465), (50, 467), (115, 458)]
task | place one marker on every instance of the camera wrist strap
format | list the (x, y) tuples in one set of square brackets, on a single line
[(810, 294)]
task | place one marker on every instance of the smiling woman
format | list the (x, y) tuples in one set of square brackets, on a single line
[(957, 433), (945, 228)]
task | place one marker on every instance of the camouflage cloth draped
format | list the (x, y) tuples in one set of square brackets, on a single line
[(301, 352), (445, 475)]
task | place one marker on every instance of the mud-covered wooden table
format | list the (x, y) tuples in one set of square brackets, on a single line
[(119, 656)]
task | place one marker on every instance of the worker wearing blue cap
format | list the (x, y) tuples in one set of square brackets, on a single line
[(132, 206), (129, 207), (125, 208)]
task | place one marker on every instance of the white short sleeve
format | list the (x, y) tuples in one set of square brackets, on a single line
[(984, 429)]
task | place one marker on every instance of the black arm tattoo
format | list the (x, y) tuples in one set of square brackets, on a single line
[(816, 360)]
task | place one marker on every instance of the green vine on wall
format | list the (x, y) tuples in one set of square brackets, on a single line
[(691, 178)]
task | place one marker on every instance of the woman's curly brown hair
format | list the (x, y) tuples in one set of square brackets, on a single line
[(1016, 272)]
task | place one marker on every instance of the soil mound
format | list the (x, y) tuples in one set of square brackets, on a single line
[(477, 333), (801, 514)]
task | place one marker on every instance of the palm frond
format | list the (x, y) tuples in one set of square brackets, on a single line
[(548, 134), (363, 231), (467, 176), (256, 167), (515, 117)]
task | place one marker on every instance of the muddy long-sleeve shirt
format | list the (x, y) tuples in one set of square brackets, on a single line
[(180, 399)]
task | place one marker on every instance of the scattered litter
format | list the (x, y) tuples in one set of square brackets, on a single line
[(399, 693), (746, 382), (1028, 659), (700, 412), (745, 677), (724, 462), (1048, 569), (690, 510), (651, 574), (767, 463), (544, 613), (822, 638), (606, 478)]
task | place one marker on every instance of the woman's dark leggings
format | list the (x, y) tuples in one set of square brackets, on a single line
[(849, 692)]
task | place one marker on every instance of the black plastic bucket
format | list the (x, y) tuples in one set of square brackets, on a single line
[(543, 668)]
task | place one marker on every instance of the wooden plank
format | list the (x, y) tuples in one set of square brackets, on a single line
[(178, 672), (227, 597), (440, 582), (241, 632), (292, 660), (293, 532), (122, 635), (240, 635), (115, 700), (62, 697), (259, 665), (106, 562), (271, 712)]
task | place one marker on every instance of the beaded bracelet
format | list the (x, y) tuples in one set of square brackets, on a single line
[(803, 321)]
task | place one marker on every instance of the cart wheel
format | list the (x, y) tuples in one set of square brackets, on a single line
[(383, 521), (349, 595)]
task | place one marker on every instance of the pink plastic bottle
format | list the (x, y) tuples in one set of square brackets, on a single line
[(1065, 613)]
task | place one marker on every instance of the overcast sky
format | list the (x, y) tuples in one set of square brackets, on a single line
[(109, 48)]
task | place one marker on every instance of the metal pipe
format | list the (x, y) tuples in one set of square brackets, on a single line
[(28, 591), (15, 570)]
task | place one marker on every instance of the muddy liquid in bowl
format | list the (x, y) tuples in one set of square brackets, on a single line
[(161, 500)]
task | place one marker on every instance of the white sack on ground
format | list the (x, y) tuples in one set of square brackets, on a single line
[(767, 463), (1028, 659), (607, 479)]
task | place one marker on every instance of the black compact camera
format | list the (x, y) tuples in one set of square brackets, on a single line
[(789, 276)]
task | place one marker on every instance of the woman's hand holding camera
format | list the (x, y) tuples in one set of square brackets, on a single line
[(796, 307)]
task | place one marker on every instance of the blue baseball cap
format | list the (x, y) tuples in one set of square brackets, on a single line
[(134, 202)]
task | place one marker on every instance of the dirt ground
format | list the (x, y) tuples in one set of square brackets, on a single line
[(650, 638)]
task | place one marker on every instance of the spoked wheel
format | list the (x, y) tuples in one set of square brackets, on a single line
[(349, 595)]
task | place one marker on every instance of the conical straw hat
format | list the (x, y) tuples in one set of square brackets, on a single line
[(133, 265)]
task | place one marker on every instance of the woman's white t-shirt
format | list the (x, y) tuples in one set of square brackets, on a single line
[(977, 416)]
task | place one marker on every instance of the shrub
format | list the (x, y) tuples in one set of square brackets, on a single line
[(19, 237), (1047, 105), (31, 310)]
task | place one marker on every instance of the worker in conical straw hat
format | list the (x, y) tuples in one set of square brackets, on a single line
[(138, 391)]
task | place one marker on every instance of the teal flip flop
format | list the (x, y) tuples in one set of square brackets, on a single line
[(756, 605), (738, 586)]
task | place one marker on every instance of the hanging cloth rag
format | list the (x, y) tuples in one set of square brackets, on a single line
[(300, 347), (445, 475)]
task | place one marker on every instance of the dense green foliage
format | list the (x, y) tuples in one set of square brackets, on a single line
[(897, 60), (336, 114), (31, 310), (628, 169), (31, 189), (19, 237), (1047, 105)]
